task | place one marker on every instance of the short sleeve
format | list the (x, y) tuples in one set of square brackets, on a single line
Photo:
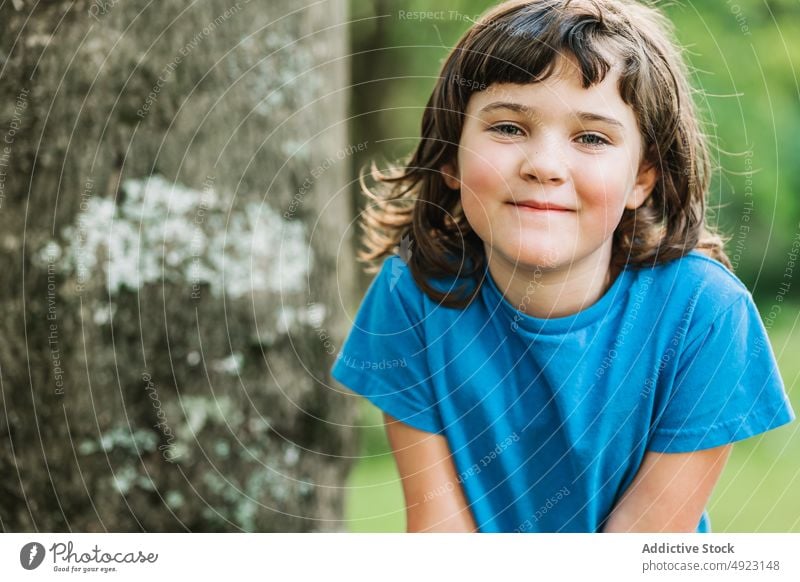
[(727, 386), (384, 357)]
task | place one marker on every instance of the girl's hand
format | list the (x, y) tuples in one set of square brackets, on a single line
[(669, 493), (435, 501)]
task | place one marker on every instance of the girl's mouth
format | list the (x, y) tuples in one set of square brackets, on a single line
[(539, 207)]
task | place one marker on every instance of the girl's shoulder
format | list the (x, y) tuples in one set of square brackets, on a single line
[(396, 279), (704, 271), (397, 276), (700, 283)]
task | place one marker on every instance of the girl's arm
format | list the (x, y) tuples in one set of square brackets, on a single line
[(669, 493), (435, 501)]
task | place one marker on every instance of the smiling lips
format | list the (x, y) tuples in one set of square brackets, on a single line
[(531, 205)]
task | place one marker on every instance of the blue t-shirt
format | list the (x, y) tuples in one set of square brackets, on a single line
[(548, 420)]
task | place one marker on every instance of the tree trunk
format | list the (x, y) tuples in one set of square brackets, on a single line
[(171, 207)]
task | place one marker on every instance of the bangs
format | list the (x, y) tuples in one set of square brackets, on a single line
[(526, 45)]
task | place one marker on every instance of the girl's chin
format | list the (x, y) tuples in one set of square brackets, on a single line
[(527, 257)]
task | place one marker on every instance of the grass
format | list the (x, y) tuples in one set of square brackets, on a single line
[(375, 497), (756, 493)]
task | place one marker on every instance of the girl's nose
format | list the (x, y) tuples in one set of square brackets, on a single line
[(544, 161)]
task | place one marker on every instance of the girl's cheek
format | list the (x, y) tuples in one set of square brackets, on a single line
[(478, 180), (603, 205), (481, 177)]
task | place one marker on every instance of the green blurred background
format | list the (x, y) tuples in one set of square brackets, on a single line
[(744, 55)]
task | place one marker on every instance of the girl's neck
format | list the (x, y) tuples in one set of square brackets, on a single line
[(554, 292)]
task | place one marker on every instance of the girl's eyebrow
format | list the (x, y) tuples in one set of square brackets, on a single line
[(524, 109)]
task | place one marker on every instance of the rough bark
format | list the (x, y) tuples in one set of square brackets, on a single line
[(171, 209)]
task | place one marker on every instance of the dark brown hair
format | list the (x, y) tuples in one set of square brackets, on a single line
[(521, 41)]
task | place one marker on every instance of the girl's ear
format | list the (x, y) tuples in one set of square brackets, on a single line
[(450, 175), (645, 182)]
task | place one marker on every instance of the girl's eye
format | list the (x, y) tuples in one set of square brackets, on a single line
[(507, 129), (593, 140)]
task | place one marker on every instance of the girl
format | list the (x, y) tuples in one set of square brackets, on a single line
[(559, 345)]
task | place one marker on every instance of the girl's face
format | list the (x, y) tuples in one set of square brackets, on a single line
[(546, 169)]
